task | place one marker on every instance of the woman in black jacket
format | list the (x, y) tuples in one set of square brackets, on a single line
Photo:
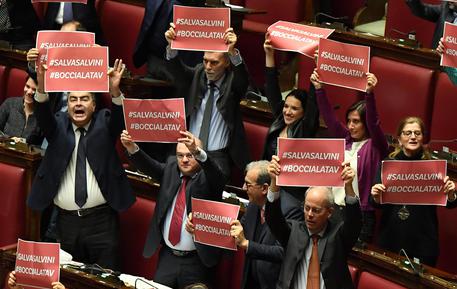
[(295, 117)]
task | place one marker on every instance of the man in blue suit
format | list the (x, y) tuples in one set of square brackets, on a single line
[(81, 173)]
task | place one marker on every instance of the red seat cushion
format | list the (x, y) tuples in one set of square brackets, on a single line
[(403, 90), (134, 227), (255, 134), (371, 281), (447, 236), (12, 206), (15, 82), (442, 129), (121, 23), (354, 274), (400, 18)]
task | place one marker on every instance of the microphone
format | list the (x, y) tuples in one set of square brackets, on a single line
[(418, 269), (409, 38), (331, 21), (140, 279)]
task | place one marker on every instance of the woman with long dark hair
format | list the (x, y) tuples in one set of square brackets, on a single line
[(366, 145)]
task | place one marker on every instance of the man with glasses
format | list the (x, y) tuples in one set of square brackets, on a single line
[(189, 173), (264, 254), (316, 250)]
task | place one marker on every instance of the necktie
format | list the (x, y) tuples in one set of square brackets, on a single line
[(204, 130), (174, 235), (80, 175), (67, 13), (314, 267), (262, 216)]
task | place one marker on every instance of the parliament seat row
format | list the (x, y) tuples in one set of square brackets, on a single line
[(12, 82)]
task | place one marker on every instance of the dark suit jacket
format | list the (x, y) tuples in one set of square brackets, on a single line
[(438, 13), (207, 184), (24, 21), (334, 246), (101, 155), (266, 253), (86, 14), (191, 84)]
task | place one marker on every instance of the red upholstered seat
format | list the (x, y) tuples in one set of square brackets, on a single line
[(255, 134), (399, 17), (354, 274), (134, 227), (443, 126), (254, 27), (403, 90), (12, 206), (15, 82), (120, 24), (447, 236), (371, 281), (229, 271)]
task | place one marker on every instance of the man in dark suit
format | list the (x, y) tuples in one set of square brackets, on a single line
[(315, 250), (81, 173), (86, 14), (437, 13), (18, 24), (189, 173), (150, 44), (264, 254), (215, 86)]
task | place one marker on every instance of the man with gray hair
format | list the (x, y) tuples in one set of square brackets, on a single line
[(264, 253), (315, 250)]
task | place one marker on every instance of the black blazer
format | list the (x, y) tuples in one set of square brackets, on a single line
[(266, 253), (24, 21), (101, 155), (207, 184), (334, 246), (191, 84), (86, 14)]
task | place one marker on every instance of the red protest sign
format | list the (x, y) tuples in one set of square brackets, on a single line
[(343, 64), (310, 162), (449, 57), (155, 120), (73, 1), (200, 28), (77, 69), (37, 264), (51, 39), (295, 37), (414, 182), (212, 223)]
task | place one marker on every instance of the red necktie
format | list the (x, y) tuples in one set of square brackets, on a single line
[(314, 268), (174, 235)]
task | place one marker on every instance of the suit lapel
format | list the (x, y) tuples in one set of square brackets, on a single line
[(323, 242)]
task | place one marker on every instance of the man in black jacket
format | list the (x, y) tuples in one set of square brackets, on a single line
[(264, 253), (320, 243), (81, 172), (189, 173), (215, 86)]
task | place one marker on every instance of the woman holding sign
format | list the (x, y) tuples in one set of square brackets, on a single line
[(413, 228), (295, 117), (366, 145)]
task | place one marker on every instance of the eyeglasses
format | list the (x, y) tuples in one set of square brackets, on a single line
[(188, 156), (314, 210), (408, 133), (248, 185)]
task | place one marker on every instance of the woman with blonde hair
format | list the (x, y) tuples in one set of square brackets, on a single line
[(413, 228)]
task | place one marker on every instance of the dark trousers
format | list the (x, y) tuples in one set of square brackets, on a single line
[(178, 272), (93, 238)]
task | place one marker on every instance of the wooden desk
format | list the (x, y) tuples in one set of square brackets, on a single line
[(392, 267)]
